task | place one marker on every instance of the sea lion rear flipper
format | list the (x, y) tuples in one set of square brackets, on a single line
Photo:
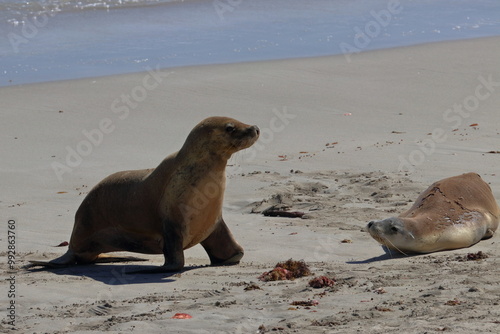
[(221, 246), (69, 259), (106, 259), (45, 264), (66, 260)]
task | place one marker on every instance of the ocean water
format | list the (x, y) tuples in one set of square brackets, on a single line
[(46, 40)]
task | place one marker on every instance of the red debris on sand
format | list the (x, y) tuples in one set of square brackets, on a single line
[(62, 244), (181, 316), (321, 282), (453, 302), (286, 271), (380, 291), (476, 256), (277, 274)]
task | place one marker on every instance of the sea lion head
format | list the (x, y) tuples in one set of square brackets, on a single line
[(394, 233), (222, 136)]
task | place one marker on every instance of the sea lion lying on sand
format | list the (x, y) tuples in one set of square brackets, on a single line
[(453, 213)]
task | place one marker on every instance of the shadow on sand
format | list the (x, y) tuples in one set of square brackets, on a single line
[(388, 255), (116, 274)]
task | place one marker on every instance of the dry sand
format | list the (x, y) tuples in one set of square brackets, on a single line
[(334, 135)]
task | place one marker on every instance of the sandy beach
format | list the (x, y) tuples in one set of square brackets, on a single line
[(344, 142)]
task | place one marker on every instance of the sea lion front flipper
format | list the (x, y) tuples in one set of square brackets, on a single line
[(173, 250), (221, 246), (489, 233)]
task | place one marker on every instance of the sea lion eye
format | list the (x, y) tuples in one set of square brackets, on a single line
[(230, 128), (394, 229)]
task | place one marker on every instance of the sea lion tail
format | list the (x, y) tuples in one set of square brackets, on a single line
[(70, 259), (66, 260)]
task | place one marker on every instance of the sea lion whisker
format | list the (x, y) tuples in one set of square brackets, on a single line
[(395, 247), (389, 251)]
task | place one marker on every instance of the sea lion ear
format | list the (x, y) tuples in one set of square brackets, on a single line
[(230, 128)]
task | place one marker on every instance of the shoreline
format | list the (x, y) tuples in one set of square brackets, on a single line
[(65, 45), (256, 62)]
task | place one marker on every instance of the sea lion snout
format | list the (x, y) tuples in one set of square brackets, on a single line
[(381, 229), (251, 131), (390, 224), (243, 135), (255, 129)]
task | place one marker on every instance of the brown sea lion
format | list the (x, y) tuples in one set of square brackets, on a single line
[(167, 209), (453, 213)]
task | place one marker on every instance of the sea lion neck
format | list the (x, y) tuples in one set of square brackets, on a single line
[(202, 156), (187, 160)]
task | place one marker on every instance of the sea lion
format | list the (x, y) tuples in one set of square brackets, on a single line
[(456, 212), (167, 209)]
